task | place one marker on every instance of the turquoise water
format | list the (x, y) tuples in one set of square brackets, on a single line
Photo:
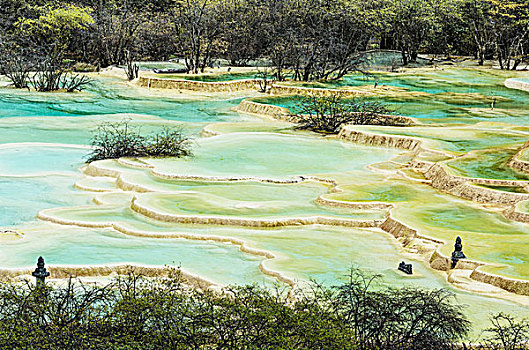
[(492, 165), (271, 156), (23, 198), (458, 80), (33, 160), (38, 177), (159, 65), (432, 111), (111, 96), (447, 98), (78, 246)]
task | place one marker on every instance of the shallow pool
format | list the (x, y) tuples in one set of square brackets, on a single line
[(258, 171)]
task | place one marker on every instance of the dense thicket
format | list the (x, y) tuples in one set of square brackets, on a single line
[(138, 313), (309, 39)]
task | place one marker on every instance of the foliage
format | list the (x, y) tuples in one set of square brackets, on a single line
[(197, 28), (60, 20), (507, 332), (16, 64), (55, 25), (387, 318), (510, 20), (116, 30), (53, 76), (327, 114), (11, 12), (300, 39), (27, 69), (410, 23), (134, 312), (121, 139), (38, 42)]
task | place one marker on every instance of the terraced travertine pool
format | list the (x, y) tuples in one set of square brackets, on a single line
[(261, 199), (456, 95)]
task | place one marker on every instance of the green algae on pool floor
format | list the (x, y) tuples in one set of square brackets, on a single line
[(489, 164), (434, 214), (447, 95), (483, 150), (487, 235), (431, 80), (456, 140)]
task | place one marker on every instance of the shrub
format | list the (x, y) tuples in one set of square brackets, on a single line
[(133, 312), (387, 318), (327, 114), (53, 76), (15, 63), (168, 143), (40, 69), (115, 140), (507, 333), (265, 79)]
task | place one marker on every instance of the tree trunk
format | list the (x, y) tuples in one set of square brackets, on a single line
[(481, 55), (500, 59), (413, 56), (404, 57)]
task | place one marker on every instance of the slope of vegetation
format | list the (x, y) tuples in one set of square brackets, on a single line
[(304, 40), (140, 313)]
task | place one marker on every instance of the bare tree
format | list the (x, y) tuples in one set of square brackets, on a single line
[(327, 114), (16, 64), (265, 78), (131, 68), (507, 333), (198, 32)]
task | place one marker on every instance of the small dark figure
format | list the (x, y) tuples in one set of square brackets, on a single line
[(406, 268), (40, 272), (376, 83), (458, 252), (229, 69)]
